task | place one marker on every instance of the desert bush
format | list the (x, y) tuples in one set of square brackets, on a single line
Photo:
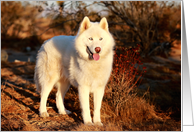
[(130, 22), (68, 15), (15, 17), (144, 22), (124, 105), (124, 75), (14, 9), (19, 25)]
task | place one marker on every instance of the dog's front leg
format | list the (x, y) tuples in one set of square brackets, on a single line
[(84, 103), (98, 95)]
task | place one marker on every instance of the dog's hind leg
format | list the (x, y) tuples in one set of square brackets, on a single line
[(45, 90), (62, 86)]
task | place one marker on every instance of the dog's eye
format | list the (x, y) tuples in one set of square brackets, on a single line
[(101, 39), (91, 38)]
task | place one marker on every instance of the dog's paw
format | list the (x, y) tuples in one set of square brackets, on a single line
[(98, 124), (89, 123), (44, 114)]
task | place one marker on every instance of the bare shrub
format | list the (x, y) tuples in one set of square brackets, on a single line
[(144, 22), (124, 76), (15, 18)]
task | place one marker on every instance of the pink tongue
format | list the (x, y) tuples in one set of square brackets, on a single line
[(96, 57)]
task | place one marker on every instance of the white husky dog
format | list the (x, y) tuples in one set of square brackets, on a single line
[(84, 61)]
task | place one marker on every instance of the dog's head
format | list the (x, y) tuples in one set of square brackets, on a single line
[(93, 40)]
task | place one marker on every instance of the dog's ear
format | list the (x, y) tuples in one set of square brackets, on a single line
[(104, 24), (84, 25)]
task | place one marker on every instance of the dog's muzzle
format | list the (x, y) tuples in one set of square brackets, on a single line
[(94, 56)]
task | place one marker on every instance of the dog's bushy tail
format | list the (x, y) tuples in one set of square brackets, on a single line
[(36, 80), (40, 69)]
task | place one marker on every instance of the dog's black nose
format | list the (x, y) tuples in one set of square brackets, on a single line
[(97, 49)]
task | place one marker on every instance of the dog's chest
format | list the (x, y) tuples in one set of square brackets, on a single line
[(87, 73)]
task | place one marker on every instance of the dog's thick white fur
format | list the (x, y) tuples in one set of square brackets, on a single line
[(84, 61)]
